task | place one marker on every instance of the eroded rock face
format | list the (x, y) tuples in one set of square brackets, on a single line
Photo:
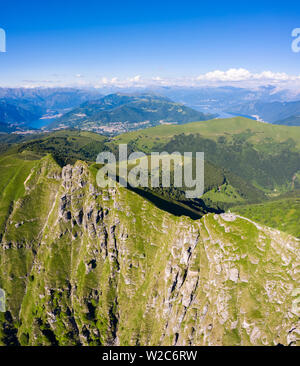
[(93, 266)]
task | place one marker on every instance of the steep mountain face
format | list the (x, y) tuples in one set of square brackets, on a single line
[(12, 114), (120, 112), (81, 265), (273, 112)]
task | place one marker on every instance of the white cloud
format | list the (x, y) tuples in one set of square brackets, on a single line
[(106, 81), (233, 76), (236, 75), (269, 75), (229, 75), (136, 79), (240, 77), (133, 81)]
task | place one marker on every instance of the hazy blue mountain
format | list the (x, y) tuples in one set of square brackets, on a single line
[(87, 108), (17, 115), (24, 107), (270, 112), (218, 100), (49, 98), (5, 128), (121, 112), (290, 121)]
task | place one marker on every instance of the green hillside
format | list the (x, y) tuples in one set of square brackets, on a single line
[(86, 266), (82, 265), (66, 146), (14, 170), (264, 155), (282, 214), (255, 132), (245, 161), (251, 161)]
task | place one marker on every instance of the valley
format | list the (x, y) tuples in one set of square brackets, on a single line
[(149, 181), (207, 271)]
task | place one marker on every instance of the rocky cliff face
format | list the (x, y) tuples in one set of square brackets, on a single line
[(86, 266)]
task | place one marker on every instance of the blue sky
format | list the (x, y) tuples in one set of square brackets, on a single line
[(90, 42)]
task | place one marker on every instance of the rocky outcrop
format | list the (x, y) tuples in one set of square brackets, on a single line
[(106, 267)]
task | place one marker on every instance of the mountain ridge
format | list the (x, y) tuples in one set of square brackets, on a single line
[(86, 261)]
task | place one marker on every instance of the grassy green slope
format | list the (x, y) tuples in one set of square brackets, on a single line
[(14, 170), (282, 214), (264, 155), (70, 145), (91, 267), (66, 146), (248, 158), (213, 129)]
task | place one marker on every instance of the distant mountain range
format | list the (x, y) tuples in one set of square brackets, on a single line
[(118, 112), (56, 99), (19, 107), (133, 109), (11, 114), (216, 99), (290, 121), (286, 113)]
